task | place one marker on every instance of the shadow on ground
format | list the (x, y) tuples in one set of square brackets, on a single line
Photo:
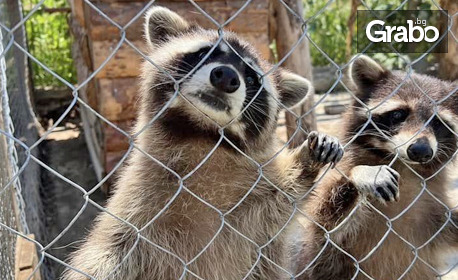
[(65, 152)]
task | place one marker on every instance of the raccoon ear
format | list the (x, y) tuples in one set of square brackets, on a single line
[(293, 89), (161, 24), (364, 73)]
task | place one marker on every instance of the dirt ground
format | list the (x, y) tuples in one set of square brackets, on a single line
[(66, 153)]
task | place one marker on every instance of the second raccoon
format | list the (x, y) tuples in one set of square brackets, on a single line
[(385, 161)]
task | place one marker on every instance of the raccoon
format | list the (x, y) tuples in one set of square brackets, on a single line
[(405, 142), (209, 188)]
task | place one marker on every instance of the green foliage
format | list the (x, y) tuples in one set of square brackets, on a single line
[(328, 29), (49, 41)]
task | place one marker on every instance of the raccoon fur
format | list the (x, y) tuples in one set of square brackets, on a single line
[(210, 187), (384, 166)]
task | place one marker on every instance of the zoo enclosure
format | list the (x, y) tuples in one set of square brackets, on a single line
[(99, 67)]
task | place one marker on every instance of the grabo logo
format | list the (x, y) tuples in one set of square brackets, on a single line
[(401, 33)]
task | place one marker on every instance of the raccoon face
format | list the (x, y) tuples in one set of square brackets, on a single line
[(218, 83), (408, 120)]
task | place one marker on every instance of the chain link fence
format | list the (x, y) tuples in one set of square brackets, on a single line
[(13, 221), (7, 214), (11, 216)]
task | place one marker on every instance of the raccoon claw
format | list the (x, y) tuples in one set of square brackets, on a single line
[(324, 148), (380, 182)]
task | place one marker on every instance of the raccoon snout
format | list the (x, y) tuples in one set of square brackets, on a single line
[(225, 79), (420, 151)]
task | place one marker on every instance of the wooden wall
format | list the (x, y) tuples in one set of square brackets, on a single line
[(112, 92)]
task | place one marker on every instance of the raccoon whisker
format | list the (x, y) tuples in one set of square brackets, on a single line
[(177, 69), (439, 154), (252, 90), (174, 69), (389, 156), (349, 106), (176, 77), (357, 129), (160, 84), (446, 149), (188, 64), (258, 109), (367, 133), (384, 129), (262, 112), (376, 134), (436, 164), (250, 118), (443, 152)]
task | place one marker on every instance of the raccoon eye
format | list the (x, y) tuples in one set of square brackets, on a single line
[(250, 81), (398, 116), (201, 54), (436, 122)]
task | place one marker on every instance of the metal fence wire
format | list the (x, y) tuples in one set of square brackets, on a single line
[(11, 190)]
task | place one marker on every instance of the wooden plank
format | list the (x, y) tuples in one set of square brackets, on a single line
[(118, 98), (83, 63), (250, 21), (99, 28), (114, 140), (77, 7), (26, 259), (111, 159), (448, 61), (253, 19), (261, 43), (251, 24), (125, 63), (287, 31)]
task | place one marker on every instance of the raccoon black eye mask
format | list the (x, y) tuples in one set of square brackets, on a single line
[(397, 116)]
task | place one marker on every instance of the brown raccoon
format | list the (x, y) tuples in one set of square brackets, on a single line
[(384, 166), (196, 201)]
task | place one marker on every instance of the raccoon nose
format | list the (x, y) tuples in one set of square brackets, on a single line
[(225, 79), (420, 151)]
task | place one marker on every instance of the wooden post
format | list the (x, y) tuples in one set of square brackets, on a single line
[(286, 29), (448, 62), (26, 259), (82, 57), (351, 28)]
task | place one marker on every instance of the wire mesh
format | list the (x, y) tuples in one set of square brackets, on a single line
[(10, 197), (11, 185), (7, 217)]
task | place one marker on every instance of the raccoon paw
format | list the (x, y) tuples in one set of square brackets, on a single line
[(324, 148), (380, 182)]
